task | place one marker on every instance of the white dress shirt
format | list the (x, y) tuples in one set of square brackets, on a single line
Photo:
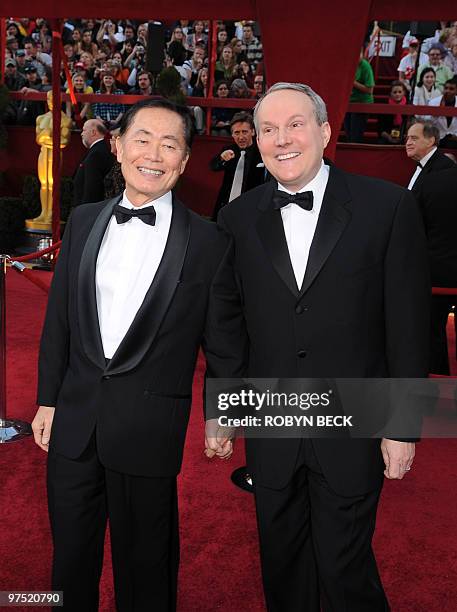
[(300, 225), (423, 161), (127, 262)]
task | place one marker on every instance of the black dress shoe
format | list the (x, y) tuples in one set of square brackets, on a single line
[(242, 479)]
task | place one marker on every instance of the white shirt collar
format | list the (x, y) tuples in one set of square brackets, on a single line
[(317, 184), (95, 142), (165, 199), (425, 159)]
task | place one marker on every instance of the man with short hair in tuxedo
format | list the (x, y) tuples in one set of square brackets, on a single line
[(422, 142), (240, 161), (326, 278), (125, 319), (88, 178)]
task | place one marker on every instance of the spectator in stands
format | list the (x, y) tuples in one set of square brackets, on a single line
[(14, 80), (82, 109), (35, 58), (21, 62), (29, 110), (238, 52), (121, 75), (88, 62), (389, 126), (251, 46), (222, 38), (176, 47), (144, 84), (239, 89), (221, 117), (362, 92), (12, 45), (201, 87), (407, 66), (259, 85), (70, 54), (12, 29), (194, 65), (244, 72), (197, 37), (240, 161), (443, 73), (225, 69), (451, 58), (447, 126), (87, 44), (142, 34), (127, 53), (108, 34), (110, 113), (425, 89)]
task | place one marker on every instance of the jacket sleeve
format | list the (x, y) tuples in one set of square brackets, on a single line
[(55, 338), (225, 341)]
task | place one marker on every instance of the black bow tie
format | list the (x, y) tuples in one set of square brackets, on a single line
[(147, 215), (304, 199)]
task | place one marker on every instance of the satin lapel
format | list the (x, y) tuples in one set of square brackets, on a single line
[(333, 218), (148, 319), (271, 232), (87, 297)]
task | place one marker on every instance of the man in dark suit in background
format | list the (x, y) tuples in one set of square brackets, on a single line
[(328, 277), (438, 205), (88, 178), (239, 161), (125, 318), (422, 147)]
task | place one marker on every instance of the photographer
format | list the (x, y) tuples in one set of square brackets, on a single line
[(137, 61)]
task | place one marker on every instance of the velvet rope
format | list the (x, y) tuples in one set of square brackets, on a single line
[(444, 290), (37, 254)]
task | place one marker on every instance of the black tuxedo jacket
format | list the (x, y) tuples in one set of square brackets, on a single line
[(88, 178), (363, 310), (438, 204), (436, 163), (140, 401), (252, 176)]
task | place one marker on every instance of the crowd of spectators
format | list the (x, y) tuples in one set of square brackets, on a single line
[(110, 57), (427, 76)]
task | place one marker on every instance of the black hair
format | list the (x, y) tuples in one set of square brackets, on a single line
[(182, 111), (242, 117), (420, 82)]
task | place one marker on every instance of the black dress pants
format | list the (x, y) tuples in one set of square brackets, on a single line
[(143, 520), (315, 545)]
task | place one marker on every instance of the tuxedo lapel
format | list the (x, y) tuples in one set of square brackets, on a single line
[(333, 218), (271, 232), (87, 298), (148, 319)]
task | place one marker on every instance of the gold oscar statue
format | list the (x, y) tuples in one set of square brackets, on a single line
[(44, 139)]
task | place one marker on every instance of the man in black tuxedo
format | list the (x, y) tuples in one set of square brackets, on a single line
[(88, 178), (125, 318), (422, 143), (330, 282), (239, 161), (439, 210)]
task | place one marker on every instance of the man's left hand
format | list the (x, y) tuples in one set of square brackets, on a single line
[(398, 458)]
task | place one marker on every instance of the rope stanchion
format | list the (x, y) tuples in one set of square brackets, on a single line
[(37, 254), (10, 430)]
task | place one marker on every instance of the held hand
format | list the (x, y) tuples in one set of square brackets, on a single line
[(227, 155), (218, 440), (398, 458), (41, 426)]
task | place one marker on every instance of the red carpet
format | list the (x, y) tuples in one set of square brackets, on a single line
[(416, 538)]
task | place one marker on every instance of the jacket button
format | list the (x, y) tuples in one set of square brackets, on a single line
[(301, 354), (106, 377), (299, 309)]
